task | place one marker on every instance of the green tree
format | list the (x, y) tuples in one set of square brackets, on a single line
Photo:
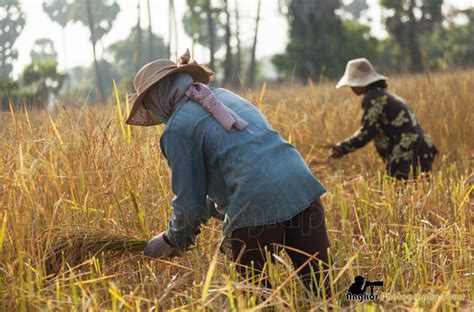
[(318, 40), (84, 91), (8, 91), (11, 25), (356, 8), (43, 49), (59, 11), (202, 22), (406, 21), (228, 65), (251, 73), (12, 93), (99, 16), (358, 43), (450, 45), (151, 54), (314, 43), (43, 80), (238, 56), (121, 51), (138, 46)]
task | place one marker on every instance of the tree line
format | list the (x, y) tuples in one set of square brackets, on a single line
[(323, 35)]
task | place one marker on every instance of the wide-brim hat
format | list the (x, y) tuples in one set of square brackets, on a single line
[(359, 73), (151, 74)]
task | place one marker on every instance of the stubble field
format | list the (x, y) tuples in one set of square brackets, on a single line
[(81, 170)]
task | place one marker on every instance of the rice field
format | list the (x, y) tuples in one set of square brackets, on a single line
[(81, 192)]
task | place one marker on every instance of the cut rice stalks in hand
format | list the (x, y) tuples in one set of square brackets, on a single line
[(74, 246)]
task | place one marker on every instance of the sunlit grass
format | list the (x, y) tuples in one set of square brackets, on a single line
[(77, 183)]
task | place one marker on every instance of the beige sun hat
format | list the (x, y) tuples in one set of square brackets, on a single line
[(152, 73), (359, 73)]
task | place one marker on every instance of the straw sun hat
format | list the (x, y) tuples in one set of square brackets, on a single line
[(359, 73), (152, 73)]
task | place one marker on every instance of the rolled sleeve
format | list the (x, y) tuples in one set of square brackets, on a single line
[(189, 184)]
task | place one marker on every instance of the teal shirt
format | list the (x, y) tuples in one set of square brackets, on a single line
[(254, 176)]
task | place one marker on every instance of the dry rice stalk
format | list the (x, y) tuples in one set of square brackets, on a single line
[(74, 246)]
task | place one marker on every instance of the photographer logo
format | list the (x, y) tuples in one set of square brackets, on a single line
[(358, 290)]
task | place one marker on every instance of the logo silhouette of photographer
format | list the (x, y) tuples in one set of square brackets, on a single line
[(358, 290)]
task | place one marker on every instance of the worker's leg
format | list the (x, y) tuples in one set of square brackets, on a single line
[(246, 247), (307, 233), (425, 165), (399, 170)]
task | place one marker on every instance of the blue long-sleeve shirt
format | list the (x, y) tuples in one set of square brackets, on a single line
[(254, 175)]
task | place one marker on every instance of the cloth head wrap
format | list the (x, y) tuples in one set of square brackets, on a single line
[(162, 98)]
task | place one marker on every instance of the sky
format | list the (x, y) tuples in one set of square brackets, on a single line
[(74, 48)]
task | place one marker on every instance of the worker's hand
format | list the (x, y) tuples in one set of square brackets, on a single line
[(159, 247), (336, 152)]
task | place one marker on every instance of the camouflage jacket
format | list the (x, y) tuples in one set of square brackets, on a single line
[(393, 126)]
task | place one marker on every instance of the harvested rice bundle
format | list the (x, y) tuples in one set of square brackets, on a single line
[(74, 246)]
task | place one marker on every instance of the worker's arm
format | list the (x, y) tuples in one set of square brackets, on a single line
[(370, 126), (189, 184)]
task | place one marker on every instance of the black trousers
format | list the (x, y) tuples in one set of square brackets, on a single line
[(401, 170), (305, 239)]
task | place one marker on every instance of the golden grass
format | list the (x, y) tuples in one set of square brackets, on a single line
[(76, 246), (81, 170)]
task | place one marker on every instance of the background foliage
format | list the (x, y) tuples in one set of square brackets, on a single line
[(423, 35)]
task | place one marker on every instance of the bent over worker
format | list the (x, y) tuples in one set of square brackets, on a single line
[(228, 162), (388, 121)]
